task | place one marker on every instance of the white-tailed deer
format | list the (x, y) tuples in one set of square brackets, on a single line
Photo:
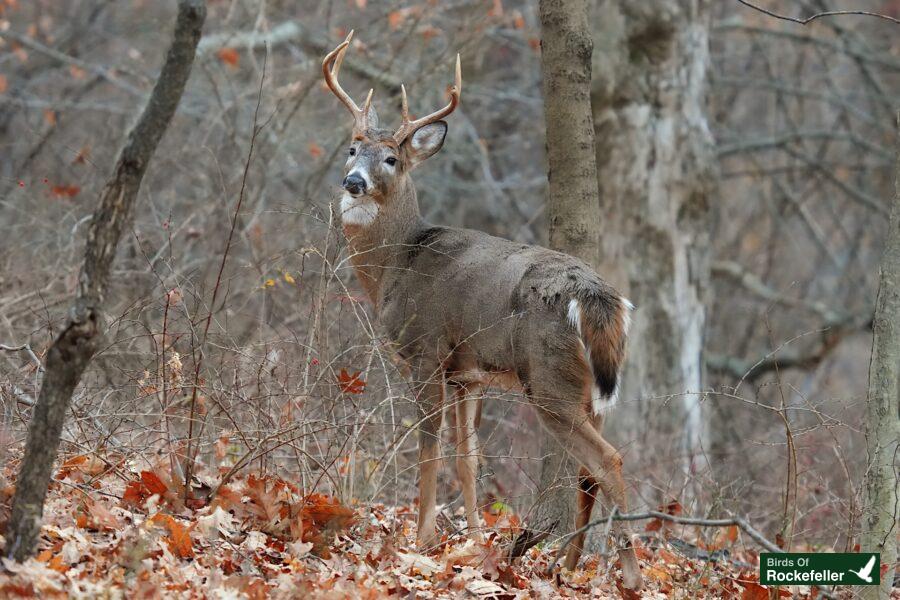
[(467, 310)]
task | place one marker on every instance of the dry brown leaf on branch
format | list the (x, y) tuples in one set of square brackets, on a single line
[(351, 384)]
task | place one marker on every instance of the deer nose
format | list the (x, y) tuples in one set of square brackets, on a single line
[(354, 184)]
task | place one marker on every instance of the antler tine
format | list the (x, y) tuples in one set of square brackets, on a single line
[(331, 66), (408, 127)]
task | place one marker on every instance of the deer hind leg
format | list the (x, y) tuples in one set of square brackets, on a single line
[(467, 402), (429, 403), (587, 495), (575, 432)]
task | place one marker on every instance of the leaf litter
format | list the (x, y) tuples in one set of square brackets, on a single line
[(261, 537)]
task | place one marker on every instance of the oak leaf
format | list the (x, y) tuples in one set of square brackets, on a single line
[(351, 384)]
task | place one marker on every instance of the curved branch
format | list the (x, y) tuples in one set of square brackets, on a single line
[(827, 13), (71, 352)]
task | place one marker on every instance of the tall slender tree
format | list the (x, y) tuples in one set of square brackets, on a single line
[(882, 495), (573, 203), (80, 338)]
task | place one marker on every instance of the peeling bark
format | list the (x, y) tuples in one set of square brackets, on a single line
[(72, 350), (882, 496), (656, 170)]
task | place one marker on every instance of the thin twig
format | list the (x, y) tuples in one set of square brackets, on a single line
[(742, 524), (811, 18), (27, 348), (212, 304)]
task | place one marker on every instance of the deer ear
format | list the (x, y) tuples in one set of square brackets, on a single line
[(425, 141)]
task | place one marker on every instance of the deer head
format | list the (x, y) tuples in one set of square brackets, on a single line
[(379, 160)]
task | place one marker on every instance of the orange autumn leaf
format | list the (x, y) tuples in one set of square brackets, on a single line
[(65, 191), (725, 538), (44, 556), (428, 32), (351, 384), (179, 538), (50, 116), (519, 20), (229, 56), (395, 19), (137, 492), (653, 525), (3, 83), (83, 464), (68, 466), (153, 483), (754, 591), (325, 511), (490, 519), (56, 563), (315, 150)]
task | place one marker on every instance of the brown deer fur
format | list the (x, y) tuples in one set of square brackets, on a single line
[(469, 310)]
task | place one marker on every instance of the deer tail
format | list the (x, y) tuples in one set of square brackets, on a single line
[(602, 320)]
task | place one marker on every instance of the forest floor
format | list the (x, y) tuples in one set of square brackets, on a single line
[(110, 532)]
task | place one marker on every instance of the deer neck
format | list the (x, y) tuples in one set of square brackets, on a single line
[(380, 245)]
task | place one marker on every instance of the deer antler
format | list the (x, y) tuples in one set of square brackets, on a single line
[(408, 127), (331, 71)]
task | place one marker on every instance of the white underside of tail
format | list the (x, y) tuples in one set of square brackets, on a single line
[(599, 402)]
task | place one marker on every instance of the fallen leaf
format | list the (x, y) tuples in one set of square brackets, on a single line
[(326, 512), (216, 524), (410, 561), (179, 538), (754, 591), (229, 56)]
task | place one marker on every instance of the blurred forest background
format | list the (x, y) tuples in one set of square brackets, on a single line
[(779, 269)]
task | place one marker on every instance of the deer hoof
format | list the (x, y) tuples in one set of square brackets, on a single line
[(633, 581)]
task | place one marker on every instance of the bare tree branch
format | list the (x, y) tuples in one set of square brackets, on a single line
[(787, 358), (80, 338), (741, 523), (295, 32), (752, 283), (811, 18)]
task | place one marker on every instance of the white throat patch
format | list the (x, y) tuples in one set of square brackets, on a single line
[(360, 210)]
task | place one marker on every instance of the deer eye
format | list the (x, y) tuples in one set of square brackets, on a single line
[(352, 151), (391, 160)]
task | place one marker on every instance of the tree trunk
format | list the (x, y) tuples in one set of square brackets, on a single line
[(573, 203), (880, 513), (72, 350), (656, 171)]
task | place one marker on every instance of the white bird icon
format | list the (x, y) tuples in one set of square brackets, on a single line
[(866, 572)]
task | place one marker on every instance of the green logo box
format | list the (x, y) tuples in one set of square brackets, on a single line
[(808, 568)]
